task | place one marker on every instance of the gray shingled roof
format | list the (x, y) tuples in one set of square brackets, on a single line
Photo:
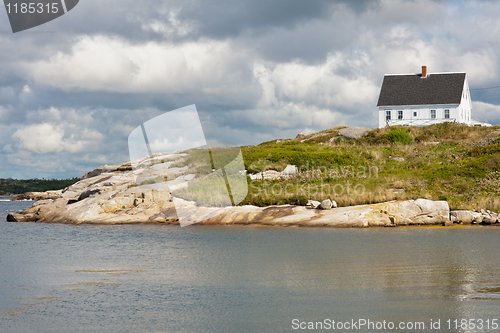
[(414, 90)]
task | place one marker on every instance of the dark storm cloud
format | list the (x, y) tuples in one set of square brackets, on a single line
[(224, 18), (309, 42), (71, 90), (217, 19)]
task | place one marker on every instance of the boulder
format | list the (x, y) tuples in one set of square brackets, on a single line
[(397, 158), (334, 204), (290, 170), (300, 135), (430, 207), (463, 216), (266, 175), (20, 217), (326, 204), (38, 195), (496, 216), (314, 204), (353, 133), (488, 219)]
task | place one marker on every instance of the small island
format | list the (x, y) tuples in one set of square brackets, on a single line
[(442, 174)]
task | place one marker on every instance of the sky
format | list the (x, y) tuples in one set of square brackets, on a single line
[(73, 89)]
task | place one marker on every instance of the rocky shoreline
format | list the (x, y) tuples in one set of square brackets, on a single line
[(37, 196), (109, 195)]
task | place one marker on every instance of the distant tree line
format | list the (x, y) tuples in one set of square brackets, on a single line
[(18, 186)]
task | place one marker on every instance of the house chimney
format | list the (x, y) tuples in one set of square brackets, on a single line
[(424, 71)]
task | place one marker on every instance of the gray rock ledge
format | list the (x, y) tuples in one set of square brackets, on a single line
[(110, 196)]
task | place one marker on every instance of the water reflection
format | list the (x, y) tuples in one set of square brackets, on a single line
[(403, 274), (242, 279)]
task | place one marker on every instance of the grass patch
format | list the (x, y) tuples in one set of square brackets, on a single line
[(438, 162)]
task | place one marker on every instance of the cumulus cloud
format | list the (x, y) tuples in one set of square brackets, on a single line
[(486, 112), (268, 97), (110, 64), (293, 115), (257, 125), (337, 83), (256, 70), (47, 138)]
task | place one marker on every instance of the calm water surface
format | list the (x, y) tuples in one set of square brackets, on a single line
[(152, 278)]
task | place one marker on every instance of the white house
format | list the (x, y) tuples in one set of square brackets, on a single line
[(424, 99)]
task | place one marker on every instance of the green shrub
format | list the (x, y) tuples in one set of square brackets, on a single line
[(398, 135)]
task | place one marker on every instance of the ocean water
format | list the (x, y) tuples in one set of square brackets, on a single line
[(154, 278)]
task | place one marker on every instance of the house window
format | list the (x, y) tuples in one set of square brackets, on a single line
[(414, 113), (400, 114), (388, 115), (447, 113), (433, 114)]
